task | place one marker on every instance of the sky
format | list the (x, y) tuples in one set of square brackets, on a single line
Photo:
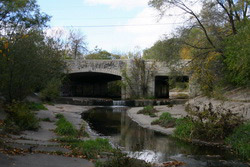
[(118, 26)]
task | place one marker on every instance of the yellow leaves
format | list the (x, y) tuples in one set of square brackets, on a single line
[(1, 51), (25, 36), (6, 45), (185, 53)]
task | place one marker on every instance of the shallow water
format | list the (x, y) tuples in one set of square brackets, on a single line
[(145, 144)]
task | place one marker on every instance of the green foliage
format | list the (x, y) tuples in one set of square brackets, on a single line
[(59, 116), (64, 127), (20, 118), (166, 120), (217, 42), (240, 140), (24, 13), (148, 110), (184, 128), (89, 148), (120, 159), (211, 124), (36, 106), (102, 55), (52, 90), (28, 62), (167, 50), (237, 59), (93, 148)]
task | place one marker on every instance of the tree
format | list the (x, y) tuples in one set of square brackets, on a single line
[(27, 63), (205, 36), (167, 50), (101, 54), (20, 14), (76, 44), (237, 53), (137, 77)]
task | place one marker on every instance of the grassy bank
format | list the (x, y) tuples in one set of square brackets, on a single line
[(92, 149), (221, 126), (21, 116), (148, 110)]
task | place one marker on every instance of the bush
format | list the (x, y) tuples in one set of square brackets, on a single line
[(240, 140), (184, 128), (64, 127), (148, 110), (165, 120), (212, 124), (52, 90), (20, 118), (36, 106)]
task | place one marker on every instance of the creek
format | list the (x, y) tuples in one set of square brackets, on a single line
[(113, 123)]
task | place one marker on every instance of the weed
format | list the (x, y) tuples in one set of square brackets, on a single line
[(20, 118), (148, 110), (89, 148), (46, 119), (36, 106), (165, 120), (64, 127), (213, 124), (240, 140), (58, 116), (184, 128)]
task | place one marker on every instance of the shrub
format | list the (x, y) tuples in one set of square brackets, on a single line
[(36, 106), (212, 124), (20, 118), (165, 120), (184, 128), (52, 90), (148, 110), (240, 140)]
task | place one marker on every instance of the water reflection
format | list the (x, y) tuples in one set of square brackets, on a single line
[(149, 145)]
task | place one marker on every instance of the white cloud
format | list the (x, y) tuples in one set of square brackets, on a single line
[(153, 29), (128, 4)]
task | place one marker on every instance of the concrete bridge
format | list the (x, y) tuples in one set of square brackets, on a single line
[(91, 78)]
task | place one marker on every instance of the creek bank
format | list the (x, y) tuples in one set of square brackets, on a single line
[(236, 105), (176, 111), (38, 148)]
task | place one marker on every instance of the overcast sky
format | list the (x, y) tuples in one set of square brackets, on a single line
[(113, 25)]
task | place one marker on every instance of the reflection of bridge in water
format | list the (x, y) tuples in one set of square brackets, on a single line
[(90, 78)]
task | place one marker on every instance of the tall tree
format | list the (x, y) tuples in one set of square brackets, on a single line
[(77, 44), (206, 34)]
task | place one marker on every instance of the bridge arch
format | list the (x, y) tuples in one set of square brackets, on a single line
[(96, 84)]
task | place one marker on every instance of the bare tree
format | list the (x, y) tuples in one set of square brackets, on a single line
[(76, 44)]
